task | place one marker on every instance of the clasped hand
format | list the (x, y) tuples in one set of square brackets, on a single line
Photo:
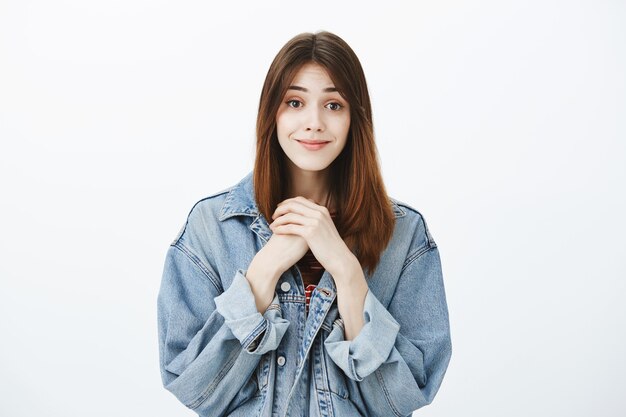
[(303, 217)]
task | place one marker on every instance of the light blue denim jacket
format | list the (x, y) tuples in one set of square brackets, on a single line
[(221, 357)]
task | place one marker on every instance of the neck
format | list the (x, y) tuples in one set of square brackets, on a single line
[(314, 185)]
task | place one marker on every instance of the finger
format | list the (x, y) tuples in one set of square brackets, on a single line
[(289, 229), (298, 205), (302, 200), (291, 218)]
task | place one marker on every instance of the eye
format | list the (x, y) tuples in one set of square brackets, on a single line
[(339, 106), (293, 101)]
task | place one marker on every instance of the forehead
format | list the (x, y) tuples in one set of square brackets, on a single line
[(312, 73)]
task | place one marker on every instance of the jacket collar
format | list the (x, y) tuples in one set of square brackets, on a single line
[(240, 201)]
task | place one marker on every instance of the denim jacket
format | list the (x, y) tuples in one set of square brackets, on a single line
[(221, 357)]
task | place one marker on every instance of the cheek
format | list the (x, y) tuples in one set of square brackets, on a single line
[(342, 126), (284, 125)]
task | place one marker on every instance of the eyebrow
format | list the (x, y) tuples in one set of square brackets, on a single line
[(297, 87)]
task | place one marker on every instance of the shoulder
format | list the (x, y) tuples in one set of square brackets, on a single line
[(410, 220), (203, 212)]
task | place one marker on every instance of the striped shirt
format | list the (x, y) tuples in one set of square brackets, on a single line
[(311, 271)]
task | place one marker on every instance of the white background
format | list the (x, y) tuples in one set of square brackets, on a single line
[(501, 121)]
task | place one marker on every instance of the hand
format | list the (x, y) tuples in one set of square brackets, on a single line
[(278, 254), (285, 250), (304, 218)]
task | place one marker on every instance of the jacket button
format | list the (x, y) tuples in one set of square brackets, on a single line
[(281, 360), (285, 286)]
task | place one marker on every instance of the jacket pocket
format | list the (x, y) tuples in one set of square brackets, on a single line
[(335, 378), (263, 370)]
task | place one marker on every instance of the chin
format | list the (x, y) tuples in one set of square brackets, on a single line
[(311, 165)]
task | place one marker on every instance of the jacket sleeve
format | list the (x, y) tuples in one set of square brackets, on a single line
[(401, 354), (210, 341)]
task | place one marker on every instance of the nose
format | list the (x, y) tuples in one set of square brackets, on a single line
[(314, 119)]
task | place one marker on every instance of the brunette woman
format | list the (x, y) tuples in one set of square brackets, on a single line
[(304, 289)]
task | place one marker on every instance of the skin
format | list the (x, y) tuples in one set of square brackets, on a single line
[(302, 217), (312, 114), (316, 114)]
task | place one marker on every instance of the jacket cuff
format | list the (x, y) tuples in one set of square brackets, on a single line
[(257, 333), (370, 348)]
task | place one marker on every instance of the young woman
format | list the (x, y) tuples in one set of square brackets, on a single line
[(304, 289)]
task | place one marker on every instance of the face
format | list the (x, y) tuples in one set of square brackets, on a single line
[(312, 110)]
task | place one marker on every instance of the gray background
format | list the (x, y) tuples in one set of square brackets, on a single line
[(501, 121)]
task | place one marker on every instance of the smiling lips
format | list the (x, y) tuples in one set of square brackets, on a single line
[(312, 141), (313, 145)]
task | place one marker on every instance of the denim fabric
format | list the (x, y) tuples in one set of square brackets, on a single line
[(221, 357)]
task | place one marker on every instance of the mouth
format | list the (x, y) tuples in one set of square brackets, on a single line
[(312, 141), (313, 145)]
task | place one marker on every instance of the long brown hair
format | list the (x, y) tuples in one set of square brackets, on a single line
[(365, 218)]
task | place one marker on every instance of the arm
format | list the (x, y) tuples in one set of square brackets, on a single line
[(352, 290), (401, 354), (206, 336)]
